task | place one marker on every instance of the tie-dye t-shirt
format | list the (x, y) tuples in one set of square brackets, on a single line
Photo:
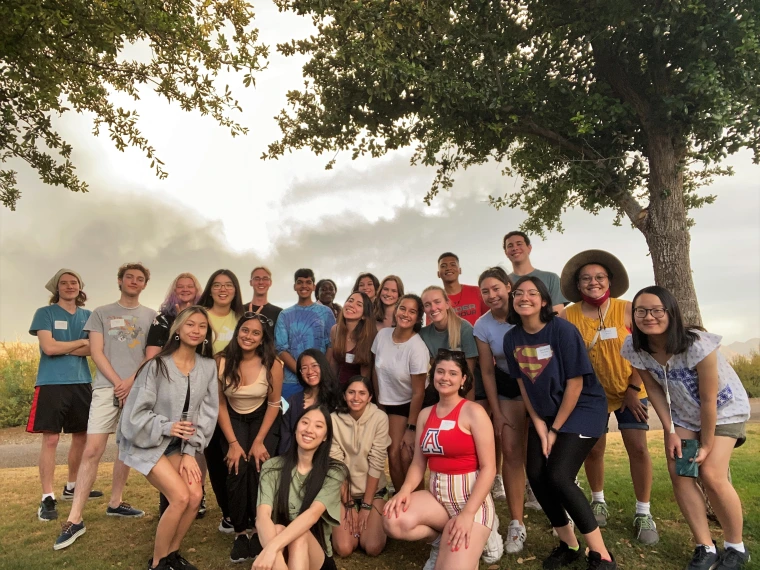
[(299, 328), (545, 361)]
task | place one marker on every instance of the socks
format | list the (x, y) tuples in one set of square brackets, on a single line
[(711, 548), (46, 495), (70, 485), (574, 548), (739, 546), (642, 508), (597, 497)]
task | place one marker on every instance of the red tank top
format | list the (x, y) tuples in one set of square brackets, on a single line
[(448, 449)]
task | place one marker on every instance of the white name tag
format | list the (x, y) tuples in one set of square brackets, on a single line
[(349, 358), (117, 323), (225, 336), (608, 333), (447, 425), (544, 352), (61, 325)]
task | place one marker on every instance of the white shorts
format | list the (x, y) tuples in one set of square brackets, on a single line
[(104, 416)]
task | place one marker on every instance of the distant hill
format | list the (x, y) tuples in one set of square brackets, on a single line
[(740, 348)]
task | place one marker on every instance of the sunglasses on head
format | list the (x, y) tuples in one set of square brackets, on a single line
[(262, 318), (454, 353)]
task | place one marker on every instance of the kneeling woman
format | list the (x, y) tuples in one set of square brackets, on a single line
[(568, 412), (299, 499), (457, 443), (160, 437), (361, 442)]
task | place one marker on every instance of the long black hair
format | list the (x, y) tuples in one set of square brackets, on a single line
[(546, 314), (678, 336), (322, 466), (204, 349), (206, 300), (233, 353), (329, 390), (343, 407)]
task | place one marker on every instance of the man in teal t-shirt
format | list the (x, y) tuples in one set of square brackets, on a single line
[(517, 249)]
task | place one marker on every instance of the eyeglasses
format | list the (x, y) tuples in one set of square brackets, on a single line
[(454, 353), (261, 279), (217, 286), (308, 367), (521, 293), (586, 279), (657, 312), (263, 318)]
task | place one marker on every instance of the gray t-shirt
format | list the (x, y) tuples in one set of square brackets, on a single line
[(551, 280), (124, 331)]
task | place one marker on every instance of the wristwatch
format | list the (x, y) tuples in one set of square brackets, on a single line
[(635, 388), (411, 427)]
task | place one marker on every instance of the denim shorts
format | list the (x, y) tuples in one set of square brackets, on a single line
[(626, 419)]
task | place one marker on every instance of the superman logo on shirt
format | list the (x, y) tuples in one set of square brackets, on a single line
[(530, 365)]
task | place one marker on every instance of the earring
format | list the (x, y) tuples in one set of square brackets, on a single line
[(176, 337), (205, 341)]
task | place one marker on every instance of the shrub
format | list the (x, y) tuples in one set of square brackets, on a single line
[(748, 369), (18, 372)]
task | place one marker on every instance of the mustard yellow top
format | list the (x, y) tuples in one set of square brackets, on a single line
[(611, 368)]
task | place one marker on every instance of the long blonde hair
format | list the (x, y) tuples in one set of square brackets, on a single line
[(168, 307), (453, 322)]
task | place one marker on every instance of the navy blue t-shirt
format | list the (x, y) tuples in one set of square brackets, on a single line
[(545, 361)]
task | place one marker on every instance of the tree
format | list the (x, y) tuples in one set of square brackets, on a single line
[(64, 55), (602, 104)]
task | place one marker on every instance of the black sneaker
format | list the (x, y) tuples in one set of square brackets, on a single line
[(561, 556), (69, 495), (595, 562), (163, 564), (703, 559), (176, 561), (226, 526), (732, 559), (124, 510), (254, 546), (240, 552), (69, 533), (47, 510), (202, 507)]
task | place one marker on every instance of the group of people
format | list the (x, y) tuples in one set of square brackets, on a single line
[(295, 414)]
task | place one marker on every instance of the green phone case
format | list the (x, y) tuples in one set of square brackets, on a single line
[(684, 466)]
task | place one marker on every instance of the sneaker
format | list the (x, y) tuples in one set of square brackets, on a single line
[(124, 510), (202, 507), (703, 559), (47, 510), (516, 536), (494, 548), (645, 529), (595, 562), (530, 499), (176, 561), (599, 508), (240, 551), (434, 549), (561, 556), (69, 495), (69, 533), (497, 491), (226, 526), (732, 559), (254, 546), (163, 564)]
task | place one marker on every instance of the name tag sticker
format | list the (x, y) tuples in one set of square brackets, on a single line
[(609, 333), (447, 425), (116, 323), (544, 352), (225, 335), (61, 325)]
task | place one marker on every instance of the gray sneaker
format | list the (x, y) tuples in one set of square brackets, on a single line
[(645, 529), (599, 508), (47, 511), (702, 559)]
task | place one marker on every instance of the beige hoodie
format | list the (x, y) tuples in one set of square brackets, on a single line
[(362, 445)]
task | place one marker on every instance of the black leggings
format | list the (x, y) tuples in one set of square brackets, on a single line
[(553, 479), (217, 470)]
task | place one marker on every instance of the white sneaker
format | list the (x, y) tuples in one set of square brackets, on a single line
[(494, 548), (572, 526), (435, 546), (497, 491), (530, 499), (516, 536)]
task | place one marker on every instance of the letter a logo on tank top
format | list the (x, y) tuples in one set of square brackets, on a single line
[(430, 445)]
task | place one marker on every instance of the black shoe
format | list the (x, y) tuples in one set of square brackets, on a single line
[(69, 533), (732, 559), (595, 562), (124, 510), (254, 546), (240, 551), (69, 495), (703, 559), (561, 556), (176, 561), (162, 564), (202, 507), (47, 510)]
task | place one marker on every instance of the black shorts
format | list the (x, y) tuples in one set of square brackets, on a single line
[(57, 407), (329, 563), (399, 410)]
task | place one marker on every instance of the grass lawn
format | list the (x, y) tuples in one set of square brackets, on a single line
[(127, 544)]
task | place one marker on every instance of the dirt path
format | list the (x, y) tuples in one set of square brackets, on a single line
[(21, 449)]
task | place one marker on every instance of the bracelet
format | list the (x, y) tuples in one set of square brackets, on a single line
[(366, 506), (635, 388), (274, 404), (231, 442), (554, 430), (411, 427), (350, 504)]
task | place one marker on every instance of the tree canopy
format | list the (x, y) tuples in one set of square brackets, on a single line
[(602, 104), (69, 55)]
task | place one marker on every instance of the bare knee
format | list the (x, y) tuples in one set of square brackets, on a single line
[(92, 452), (299, 544), (394, 455), (397, 527), (50, 441), (195, 496), (342, 547), (713, 479), (180, 498), (374, 546)]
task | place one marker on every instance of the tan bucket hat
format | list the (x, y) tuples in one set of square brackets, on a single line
[(618, 284), (52, 285)]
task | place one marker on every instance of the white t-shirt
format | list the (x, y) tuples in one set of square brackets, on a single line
[(395, 363)]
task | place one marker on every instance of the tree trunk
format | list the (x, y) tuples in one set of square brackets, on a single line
[(665, 227)]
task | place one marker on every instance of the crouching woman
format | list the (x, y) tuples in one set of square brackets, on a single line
[(168, 418)]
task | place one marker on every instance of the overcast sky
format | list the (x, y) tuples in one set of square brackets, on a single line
[(223, 207)]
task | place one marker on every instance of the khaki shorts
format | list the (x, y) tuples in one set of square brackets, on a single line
[(736, 431), (104, 416)]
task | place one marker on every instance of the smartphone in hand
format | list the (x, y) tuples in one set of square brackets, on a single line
[(685, 465)]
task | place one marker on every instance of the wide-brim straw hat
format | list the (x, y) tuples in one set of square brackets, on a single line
[(618, 283)]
